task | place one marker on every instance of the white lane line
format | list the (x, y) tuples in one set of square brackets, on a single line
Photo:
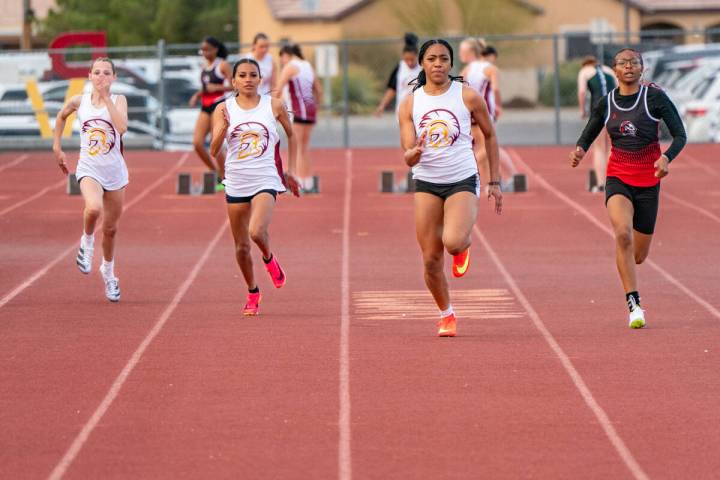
[(586, 213), (344, 448), (615, 439), (697, 163), (17, 161), (40, 273), (692, 206), (110, 396), (33, 197)]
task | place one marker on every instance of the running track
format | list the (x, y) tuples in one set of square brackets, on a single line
[(342, 376)]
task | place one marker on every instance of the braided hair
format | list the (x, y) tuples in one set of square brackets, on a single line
[(422, 77)]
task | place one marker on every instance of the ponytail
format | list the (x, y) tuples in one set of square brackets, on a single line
[(222, 51)]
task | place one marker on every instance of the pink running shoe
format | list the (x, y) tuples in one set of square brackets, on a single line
[(252, 307), (276, 272)]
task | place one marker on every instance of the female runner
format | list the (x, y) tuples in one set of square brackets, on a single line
[(597, 79), (214, 87), (254, 174), (482, 75), (405, 71), (631, 113), (304, 89), (259, 53), (435, 134), (101, 169)]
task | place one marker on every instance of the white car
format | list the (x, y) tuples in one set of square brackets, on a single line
[(698, 103)]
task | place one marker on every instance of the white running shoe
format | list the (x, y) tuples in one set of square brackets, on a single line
[(112, 289), (84, 258), (637, 318)]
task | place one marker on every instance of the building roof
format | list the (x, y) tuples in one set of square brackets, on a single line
[(313, 9), (651, 6)]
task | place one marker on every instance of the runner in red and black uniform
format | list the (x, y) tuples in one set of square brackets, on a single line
[(215, 83), (632, 113)]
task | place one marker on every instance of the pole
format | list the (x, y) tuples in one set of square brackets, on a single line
[(164, 127), (626, 4), (556, 67), (26, 39), (346, 99)]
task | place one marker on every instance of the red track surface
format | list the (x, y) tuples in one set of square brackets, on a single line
[(545, 382)]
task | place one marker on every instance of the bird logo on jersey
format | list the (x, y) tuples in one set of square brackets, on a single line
[(628, 129), (442, 126), (101, 136), (253, 139)]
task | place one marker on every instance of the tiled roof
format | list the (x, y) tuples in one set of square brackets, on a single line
[(675, 5), (313, 9)]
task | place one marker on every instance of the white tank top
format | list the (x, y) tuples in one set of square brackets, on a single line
[(253, 146), (405, 75), (101, 154), (477, 80), (302, 102), (448, 156), (266, 68)]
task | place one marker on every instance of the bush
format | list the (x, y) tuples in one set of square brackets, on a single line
[(568, 86), (364, 89)]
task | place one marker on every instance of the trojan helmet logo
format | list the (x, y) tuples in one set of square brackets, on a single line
[(628, 129), (253, 139), (100, 134), (442, 126)]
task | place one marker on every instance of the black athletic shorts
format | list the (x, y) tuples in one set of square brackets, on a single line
[(645, 201), (230, 199), (211, 108), (444, 190)]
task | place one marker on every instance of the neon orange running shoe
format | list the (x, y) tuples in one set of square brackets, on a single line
[(461, 262), (276, 272), (252, 307), (447, 326)]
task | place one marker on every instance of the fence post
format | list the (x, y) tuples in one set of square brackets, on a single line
[(346, 98), (556, 67), (161, 91)]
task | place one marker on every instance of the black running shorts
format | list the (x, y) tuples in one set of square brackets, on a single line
[(645, 201), (444, 190)]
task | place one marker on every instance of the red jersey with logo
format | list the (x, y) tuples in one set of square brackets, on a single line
[(634, 133), (212, 75)]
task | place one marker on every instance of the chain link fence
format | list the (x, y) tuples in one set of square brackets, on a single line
[(538, 85)]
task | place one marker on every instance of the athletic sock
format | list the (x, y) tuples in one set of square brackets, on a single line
[(633, 300), (267, 260), (445, 313), (107, 269), (254, 290), (87, 241)]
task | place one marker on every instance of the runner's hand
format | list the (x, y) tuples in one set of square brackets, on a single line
[(412, 155), (193, 100), (661, 166), (575, 156), (60, 157), (494, 191), (293, 184)]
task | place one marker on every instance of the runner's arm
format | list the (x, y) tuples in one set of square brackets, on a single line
[(662, 107), (594, 126), (220, 126)]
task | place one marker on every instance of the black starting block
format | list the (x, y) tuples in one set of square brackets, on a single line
[(388, 185), (185, 185), (592, 182), (520, 183), (73, 187)]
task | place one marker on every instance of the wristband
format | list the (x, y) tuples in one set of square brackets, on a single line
[(493, 184)]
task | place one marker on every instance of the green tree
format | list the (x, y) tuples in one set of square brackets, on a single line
[(143, 22), (477, 17)]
